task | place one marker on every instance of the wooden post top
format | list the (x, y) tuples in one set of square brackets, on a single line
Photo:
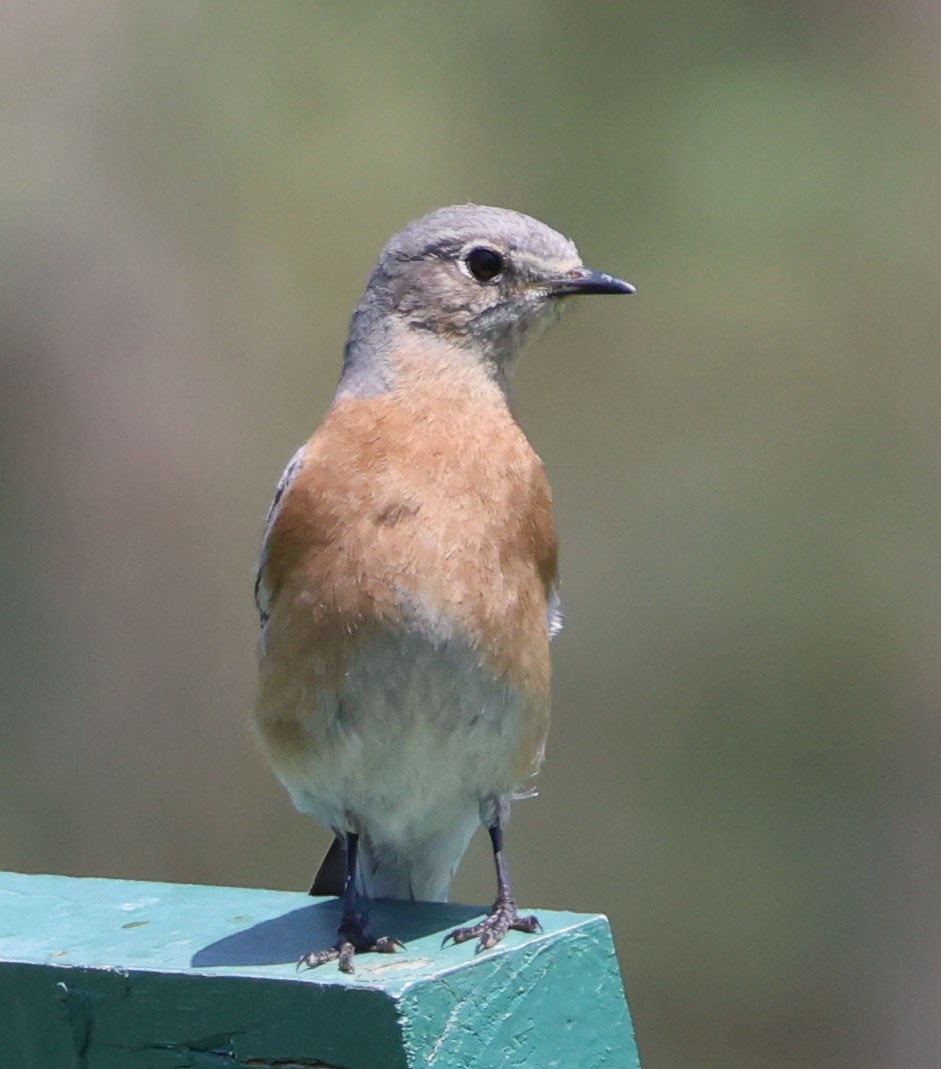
[(115, 973)]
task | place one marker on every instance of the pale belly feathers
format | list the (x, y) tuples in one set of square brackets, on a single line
[(412, 751)]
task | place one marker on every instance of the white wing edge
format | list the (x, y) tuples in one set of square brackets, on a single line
[(556, 616)]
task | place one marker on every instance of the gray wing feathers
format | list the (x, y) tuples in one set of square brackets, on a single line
[(287, 477)]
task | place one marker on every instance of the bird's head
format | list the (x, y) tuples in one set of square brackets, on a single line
[(477, 279)]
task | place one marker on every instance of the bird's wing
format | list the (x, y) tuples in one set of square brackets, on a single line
[(262, 593)]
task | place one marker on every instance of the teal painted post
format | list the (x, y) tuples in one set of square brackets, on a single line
[(112, 974)]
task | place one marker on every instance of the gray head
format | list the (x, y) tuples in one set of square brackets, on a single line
[(476, 281)]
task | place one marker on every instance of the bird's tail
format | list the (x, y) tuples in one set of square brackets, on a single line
[(331, 875), (420, 872)]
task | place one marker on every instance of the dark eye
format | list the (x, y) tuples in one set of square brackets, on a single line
[(484, 264)]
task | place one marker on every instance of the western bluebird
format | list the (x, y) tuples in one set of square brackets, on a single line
[(407, 585)]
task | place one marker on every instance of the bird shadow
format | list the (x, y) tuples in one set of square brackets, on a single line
[(282, 940)]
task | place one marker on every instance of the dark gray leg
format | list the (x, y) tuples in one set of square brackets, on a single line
[(504, 914), (353, 937)]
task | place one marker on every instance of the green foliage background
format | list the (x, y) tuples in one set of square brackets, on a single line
[(744, 764)]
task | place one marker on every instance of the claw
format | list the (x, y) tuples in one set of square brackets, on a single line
[(386, 944), (492, 929), (344, 951), (315, 958)]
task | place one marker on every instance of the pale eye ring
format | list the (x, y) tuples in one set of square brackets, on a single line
[(485, 264)]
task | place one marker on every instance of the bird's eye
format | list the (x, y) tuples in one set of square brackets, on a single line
[(483, 263)]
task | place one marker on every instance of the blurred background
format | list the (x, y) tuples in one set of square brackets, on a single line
[(743, 770)]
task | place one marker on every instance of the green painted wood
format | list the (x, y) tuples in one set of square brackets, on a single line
[(112, 974)]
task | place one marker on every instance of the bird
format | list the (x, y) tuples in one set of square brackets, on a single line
[(407, 585)]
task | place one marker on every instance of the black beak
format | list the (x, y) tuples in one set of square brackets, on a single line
[(584, 280)]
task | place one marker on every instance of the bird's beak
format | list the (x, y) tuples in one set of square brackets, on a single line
[(584, 280)]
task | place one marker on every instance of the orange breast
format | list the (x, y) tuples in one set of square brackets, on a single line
[(424, 510)]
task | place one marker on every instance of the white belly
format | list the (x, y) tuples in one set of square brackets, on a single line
[(418, 739)]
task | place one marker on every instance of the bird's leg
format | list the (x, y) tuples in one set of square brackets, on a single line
[(353, 937), (504, 914)]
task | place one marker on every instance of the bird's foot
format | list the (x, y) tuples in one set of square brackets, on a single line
[(353, 938), (494, 927)]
